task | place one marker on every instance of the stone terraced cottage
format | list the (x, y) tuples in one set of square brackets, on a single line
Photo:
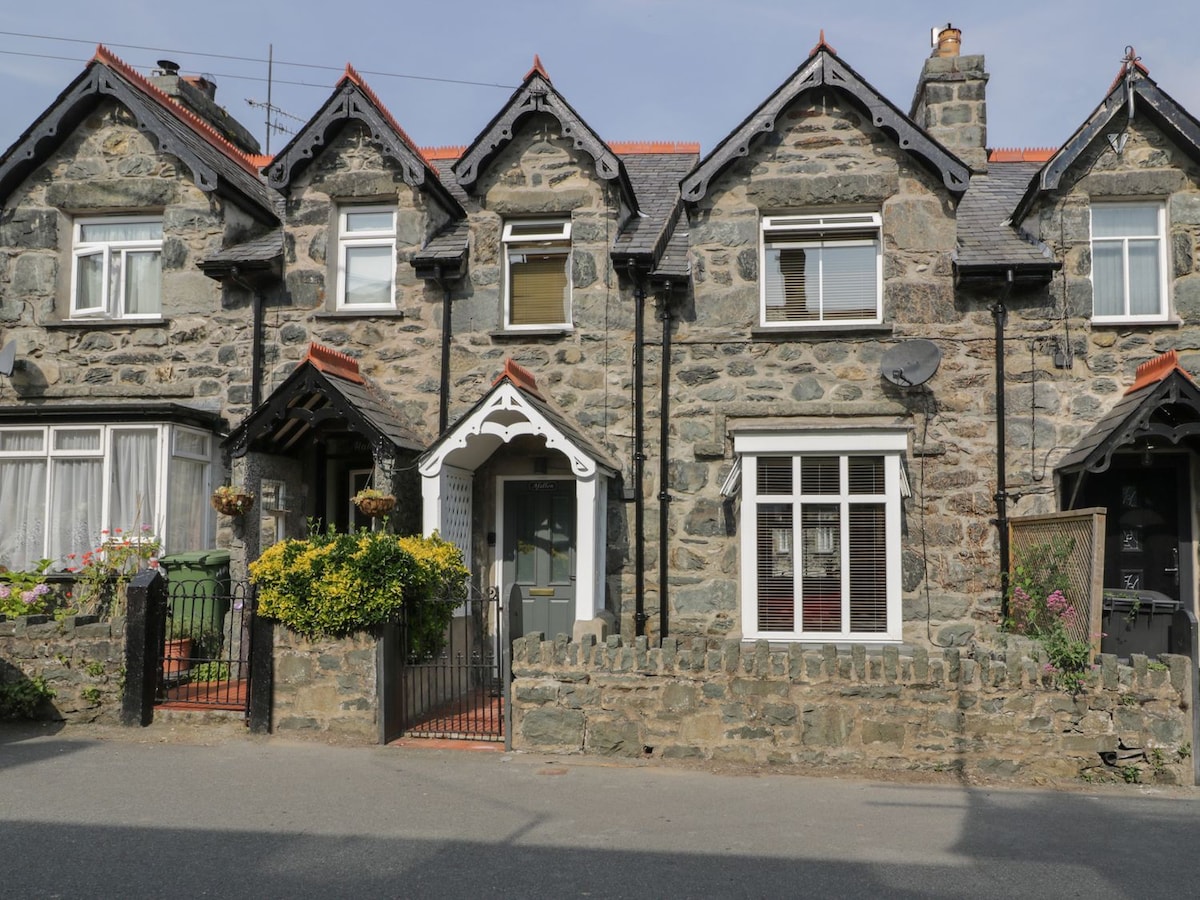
[(746, 395)]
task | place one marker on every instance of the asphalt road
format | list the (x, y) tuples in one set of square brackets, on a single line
[(141, 814)]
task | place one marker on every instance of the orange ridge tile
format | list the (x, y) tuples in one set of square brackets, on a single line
[(537, 68), (1155, 370), (631, 148), (822, 44), (1021, 154), (332, 362), (444, 152), (520, 377), (197, 123)]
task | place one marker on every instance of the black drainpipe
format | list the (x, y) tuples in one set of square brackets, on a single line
[(639, 454), (256, 354), (999, 314), (444, 385), (664, 456)]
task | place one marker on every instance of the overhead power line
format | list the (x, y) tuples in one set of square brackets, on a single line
[(251, 59)]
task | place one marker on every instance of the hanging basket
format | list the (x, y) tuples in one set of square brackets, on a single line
[(375, 507), (232, 503)]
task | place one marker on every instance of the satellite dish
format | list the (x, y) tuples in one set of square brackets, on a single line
[(8, 358), (910, 363)]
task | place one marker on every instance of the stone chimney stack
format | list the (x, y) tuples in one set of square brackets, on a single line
[(950, 101), (198, 94)]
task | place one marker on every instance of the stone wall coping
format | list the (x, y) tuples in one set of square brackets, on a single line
[(1021, 666), (84, 626)]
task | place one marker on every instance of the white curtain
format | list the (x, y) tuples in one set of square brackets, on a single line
[(76, 494), (22, 502), (187, 505), (134, 477)]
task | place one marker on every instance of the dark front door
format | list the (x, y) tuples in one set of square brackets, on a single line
[(1146, 536), (539, 555)]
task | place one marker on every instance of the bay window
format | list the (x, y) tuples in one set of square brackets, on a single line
[(65, 488), (820, 526)]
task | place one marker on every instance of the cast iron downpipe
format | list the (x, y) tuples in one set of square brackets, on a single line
[(639, 454), (256, 353), (664, 438), (444, 383), (999, 314)]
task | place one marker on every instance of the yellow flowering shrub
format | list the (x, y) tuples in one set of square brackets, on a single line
[(335, 584)]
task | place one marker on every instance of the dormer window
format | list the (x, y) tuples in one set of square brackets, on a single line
[(366, 258), (537, 261), (117, 268), (821, 270)]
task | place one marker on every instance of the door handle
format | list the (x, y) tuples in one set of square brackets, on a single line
[(1174, 569)]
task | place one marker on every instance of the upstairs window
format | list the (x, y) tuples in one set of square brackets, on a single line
[(366, 258), (117, 268), (821, 270), (537, 256), (1128, 262)]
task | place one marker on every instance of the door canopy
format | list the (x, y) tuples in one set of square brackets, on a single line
[(513, 407)]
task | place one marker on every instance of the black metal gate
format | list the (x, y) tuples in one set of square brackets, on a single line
[(204, 646), (457, 691)]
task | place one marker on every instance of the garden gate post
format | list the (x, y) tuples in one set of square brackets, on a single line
[(145, 603), (262, 669)]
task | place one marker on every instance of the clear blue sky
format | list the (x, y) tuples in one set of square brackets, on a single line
[(634, 69)]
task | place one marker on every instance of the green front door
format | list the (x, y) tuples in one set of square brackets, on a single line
[(539, 556)]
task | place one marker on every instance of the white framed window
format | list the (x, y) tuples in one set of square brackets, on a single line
[(537, 274), (116, 270), (820, 534), (821, 270), (1129, 261), (366, 261), (64, 489)]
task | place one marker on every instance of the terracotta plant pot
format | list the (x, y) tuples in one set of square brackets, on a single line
[(375, 506), (177, 658)]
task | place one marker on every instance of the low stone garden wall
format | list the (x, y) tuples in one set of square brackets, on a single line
[(80, 658), (325, 686), (878, 710)]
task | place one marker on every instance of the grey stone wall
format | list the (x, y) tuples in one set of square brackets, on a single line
[(825, 155), (992, 716), (198, 354), (81, 659), (325, 686)]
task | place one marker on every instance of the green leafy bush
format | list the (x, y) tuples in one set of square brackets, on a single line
[(336, 584), (21, 699), (27, 593)]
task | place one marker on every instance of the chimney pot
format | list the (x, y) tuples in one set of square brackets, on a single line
[(167, 67), (949, 42)]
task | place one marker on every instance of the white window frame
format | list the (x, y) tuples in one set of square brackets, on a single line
[(365, 239), (546, 237), (166, 449), (825, 229), (112, 307), (890, 444), (1124, 241)]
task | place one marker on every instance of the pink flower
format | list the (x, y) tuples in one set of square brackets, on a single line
[(5, 591)]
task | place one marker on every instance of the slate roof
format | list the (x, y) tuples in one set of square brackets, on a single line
[(1133, 85), (987, 242), (255, 253), (655, 178), (214, 162), (324, 388), (1160, 382)]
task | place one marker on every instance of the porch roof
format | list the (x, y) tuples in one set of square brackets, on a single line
[(326, 393), (514, 406), (1161, 409)]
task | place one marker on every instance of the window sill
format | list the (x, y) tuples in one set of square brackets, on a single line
[(359, 314), (93, 324), (875, 645), (789, 332), (1139, 323), (560, 331)]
